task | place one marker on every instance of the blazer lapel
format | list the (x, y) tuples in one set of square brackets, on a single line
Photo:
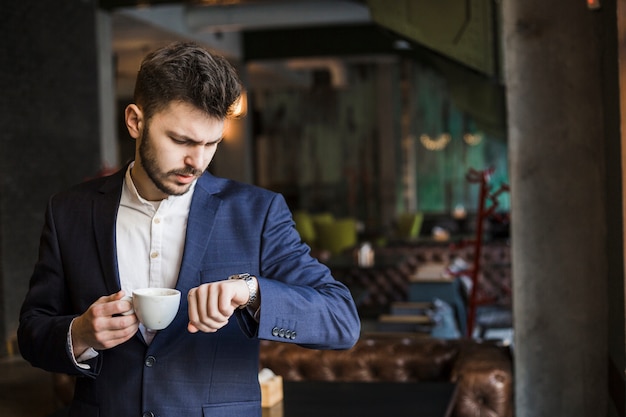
[(104, 214), (202, 213)]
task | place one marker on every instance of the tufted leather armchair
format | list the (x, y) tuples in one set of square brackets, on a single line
[(379, 287), (483, 371)]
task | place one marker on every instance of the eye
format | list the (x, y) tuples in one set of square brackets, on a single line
[(211, 144)]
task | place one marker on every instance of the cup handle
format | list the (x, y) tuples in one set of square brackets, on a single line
[(130, 300)]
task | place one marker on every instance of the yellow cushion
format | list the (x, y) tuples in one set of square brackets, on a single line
[(408, 225), (325, 217), (336, 236), (304, 226)]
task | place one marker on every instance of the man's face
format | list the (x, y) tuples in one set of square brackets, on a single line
[(174, 149)]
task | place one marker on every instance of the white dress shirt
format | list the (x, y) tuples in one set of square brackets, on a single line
[(150, 239)]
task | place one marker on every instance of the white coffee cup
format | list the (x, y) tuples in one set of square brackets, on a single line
[(156, 307)]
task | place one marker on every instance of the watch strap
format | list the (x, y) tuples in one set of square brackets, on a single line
[(252, 284)]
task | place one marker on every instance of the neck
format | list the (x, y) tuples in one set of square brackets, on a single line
[(144, 186)]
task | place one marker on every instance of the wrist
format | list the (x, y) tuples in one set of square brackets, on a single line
[(76, 347), (253, 288)]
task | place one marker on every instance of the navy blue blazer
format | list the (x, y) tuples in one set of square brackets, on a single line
[(232, 228)]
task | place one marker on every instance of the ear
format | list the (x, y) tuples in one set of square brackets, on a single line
[(133, 116)]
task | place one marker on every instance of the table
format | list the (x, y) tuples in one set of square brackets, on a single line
[(430, 282), (420, 323), (364, 399), (382, 260)]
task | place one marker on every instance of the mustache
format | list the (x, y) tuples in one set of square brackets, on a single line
[(186, 171)]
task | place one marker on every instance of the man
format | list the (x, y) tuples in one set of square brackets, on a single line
[(163, 221)]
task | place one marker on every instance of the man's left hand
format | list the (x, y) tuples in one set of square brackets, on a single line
[(212, 304)]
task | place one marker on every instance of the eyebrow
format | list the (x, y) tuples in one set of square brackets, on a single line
[(189, 139)]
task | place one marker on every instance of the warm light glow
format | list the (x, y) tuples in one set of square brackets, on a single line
[(473, 139), (241, 105), (234, 130), (593, 4), (435, 144), (459, 212)]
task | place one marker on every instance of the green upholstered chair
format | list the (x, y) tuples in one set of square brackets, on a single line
[(304, 226), (323, 217), (408, 225), (336, 236), (320, 218)]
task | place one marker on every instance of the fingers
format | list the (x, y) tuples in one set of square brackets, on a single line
[(210, 306), (111, 305), (111, 331), (203, 313), (102, 326)]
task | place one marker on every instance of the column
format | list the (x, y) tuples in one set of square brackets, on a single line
[(552, 56)]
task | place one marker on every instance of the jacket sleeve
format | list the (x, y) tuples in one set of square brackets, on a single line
[(300, 301), (44, 317)]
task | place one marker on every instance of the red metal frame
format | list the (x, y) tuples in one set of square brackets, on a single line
[(482, 178)]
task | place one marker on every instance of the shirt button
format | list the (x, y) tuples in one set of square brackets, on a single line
[(157, 220), (150, 361), (154, 254)]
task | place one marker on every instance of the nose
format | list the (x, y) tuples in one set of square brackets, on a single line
[(195, 157)]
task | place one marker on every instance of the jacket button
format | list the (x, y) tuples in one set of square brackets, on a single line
[(275, 331), (148, 414), (293, 335), (281, 332), (287, 334), (149, 362)]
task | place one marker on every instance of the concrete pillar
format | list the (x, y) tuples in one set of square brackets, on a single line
[(553, 71), (109, 114), (49, 127)]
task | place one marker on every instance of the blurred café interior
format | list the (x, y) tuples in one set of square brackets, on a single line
[(456, 163)]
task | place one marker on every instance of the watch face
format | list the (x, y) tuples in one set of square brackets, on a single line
[(239, 276)]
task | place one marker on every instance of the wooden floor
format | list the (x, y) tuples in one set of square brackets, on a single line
[(25, 391)]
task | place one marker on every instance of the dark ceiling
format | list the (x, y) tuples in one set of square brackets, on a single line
[(463, 49), (113, 4)]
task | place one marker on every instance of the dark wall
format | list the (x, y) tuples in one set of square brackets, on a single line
[(615, 209), (49, 124)]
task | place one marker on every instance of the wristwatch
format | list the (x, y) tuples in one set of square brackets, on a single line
[(252, 284)]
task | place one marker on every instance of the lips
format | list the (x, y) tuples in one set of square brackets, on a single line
[(185, 179)]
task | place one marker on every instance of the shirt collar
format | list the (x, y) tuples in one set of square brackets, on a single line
[(132, 197)]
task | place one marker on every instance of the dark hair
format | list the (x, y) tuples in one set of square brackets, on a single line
[(186, 72)]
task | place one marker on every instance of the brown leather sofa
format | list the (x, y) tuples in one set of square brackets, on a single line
[(483, 371)]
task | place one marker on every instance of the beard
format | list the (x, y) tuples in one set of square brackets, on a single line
[(164, 181)]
